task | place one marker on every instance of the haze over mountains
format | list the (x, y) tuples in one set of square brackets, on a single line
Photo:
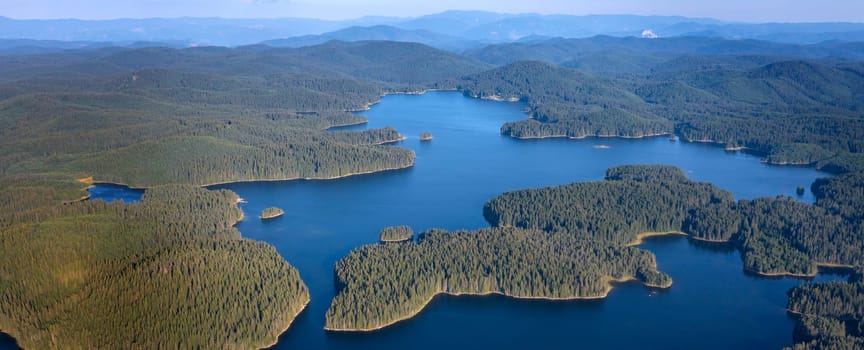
[(452, 30)]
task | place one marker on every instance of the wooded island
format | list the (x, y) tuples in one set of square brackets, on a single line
[(271, 213), (395, 234)]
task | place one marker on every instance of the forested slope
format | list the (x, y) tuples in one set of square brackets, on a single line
[(789, 110), (561, 50), (204, 115), (168, 272)]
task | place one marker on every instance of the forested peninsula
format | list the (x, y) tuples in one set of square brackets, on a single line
[(776, 236), (385, 283), (170, 271)]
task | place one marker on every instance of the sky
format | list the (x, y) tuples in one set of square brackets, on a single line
[(733, 10)]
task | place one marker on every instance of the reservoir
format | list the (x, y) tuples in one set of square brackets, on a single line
[(712, 304)]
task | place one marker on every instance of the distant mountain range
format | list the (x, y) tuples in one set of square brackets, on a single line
[(379, 32), (452, 30), (564, 51)]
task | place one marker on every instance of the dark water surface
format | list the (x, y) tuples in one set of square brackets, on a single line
[(712, 304)]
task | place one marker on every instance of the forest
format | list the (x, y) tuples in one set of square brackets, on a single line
[(830, 315), (395, 234), (271, 213), (382, 284), (791, 111), (148, 136), (632, 200), (170, 271), (78, 274), (776, 236)]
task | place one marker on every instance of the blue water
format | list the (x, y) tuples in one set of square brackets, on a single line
[(712, 304), (111, 192)]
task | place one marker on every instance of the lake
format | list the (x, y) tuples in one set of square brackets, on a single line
[(713, 304)]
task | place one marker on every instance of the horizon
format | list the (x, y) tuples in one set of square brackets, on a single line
[(408, 18), (738, 11)]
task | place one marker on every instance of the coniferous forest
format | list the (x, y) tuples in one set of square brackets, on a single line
[(776, 236), (790, 111), (173, 272), (168, 272), (395, 234), (385, 283), (831, 315)]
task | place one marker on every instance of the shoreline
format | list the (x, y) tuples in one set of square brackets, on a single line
[(288, 326), (609, 287), (347, 124), (386, 241), (262, 217), (708, 240), (641, 237), (496, 98), (14, 340), (798, 164), (585, 137), (388, 142), (258, 180), (819, 267), (781, 274), (369, 105), (307, 178)]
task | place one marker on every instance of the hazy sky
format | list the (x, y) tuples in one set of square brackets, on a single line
[(739, 10)]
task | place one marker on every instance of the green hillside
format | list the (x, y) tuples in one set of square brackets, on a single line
[(168, 272), (792, 112)]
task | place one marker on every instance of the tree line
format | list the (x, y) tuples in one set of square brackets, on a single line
[(380, 284)]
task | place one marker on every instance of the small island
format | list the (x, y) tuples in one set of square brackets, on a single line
[(426, 136), (396, 234), (271, 213)]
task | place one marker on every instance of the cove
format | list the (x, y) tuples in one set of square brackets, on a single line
[(712, 304), (112, 192)]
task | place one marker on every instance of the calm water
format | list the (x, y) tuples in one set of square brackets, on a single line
[(712, 303), (111, 192)]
